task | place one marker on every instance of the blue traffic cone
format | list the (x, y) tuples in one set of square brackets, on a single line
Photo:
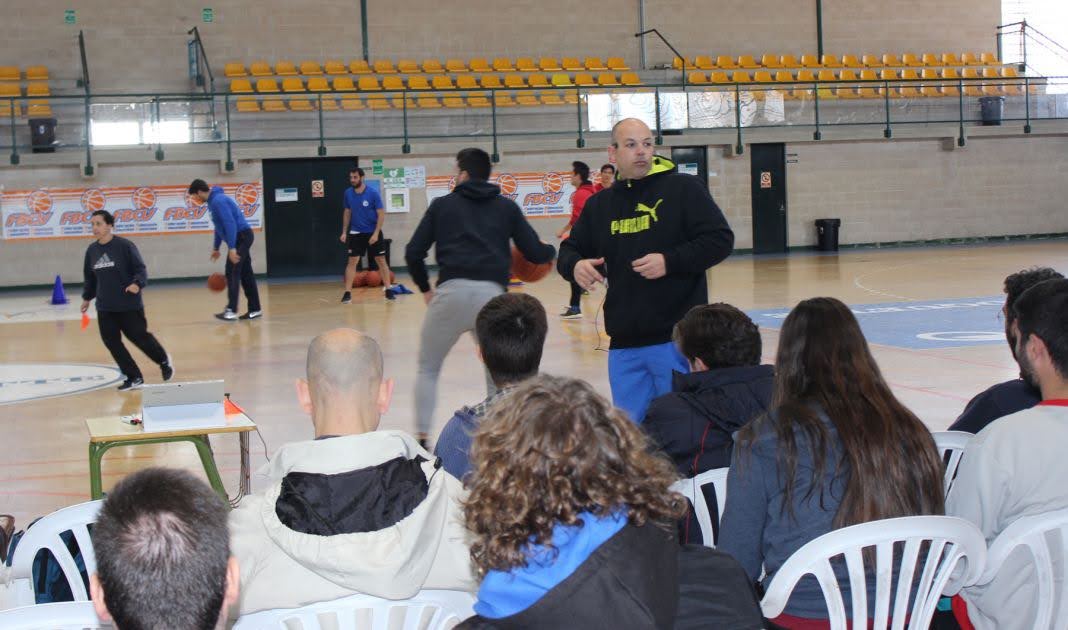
[(58, 295)]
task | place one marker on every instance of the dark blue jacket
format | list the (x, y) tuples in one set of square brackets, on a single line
[(996, 402), (454, 443), (227, 217)]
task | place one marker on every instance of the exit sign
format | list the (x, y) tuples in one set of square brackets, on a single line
[(69, 16), (208, 14)]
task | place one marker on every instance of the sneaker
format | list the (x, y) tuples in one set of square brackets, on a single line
[(400, 289), (391, 294), (571, 313), (252, 315), (227, 315), (346, 298), (131, 383), (167, 369)]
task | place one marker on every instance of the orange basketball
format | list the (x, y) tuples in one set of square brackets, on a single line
[(374, 279), (526, 270), (217, 282), (360, 279)]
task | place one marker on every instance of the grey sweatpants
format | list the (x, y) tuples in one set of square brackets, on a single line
[(451, 313)]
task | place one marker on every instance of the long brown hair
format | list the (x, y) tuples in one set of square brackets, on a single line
[(824, 364), (548, 451)]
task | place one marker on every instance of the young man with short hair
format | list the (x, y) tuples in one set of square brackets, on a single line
[(605, 179), (510, 331), (361, 231), (231, 227), (580, 179)]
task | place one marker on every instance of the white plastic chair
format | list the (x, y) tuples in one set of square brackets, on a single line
[(692, 490), (1045, 537), (949, 541), (44, 534), (58, 616), (428, 610), (952, 443)]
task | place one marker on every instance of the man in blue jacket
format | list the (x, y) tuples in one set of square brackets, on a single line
[(231, 226)]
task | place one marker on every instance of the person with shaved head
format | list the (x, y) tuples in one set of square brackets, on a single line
[(649, 239), (356, 509)]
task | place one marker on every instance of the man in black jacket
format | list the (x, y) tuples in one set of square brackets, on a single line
[(470, 229), (649, 238)]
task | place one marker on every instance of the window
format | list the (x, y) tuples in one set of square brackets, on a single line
[(1045, 40), (115, 133)]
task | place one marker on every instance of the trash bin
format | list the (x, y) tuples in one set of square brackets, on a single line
[(991, 108), (43, 135), (827, 234)]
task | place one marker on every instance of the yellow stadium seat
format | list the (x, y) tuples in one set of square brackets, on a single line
[(285, 68), (443, 83), (990, 88), (478, 64), (428, 102), (38, 89), (514, 81), (333, 66), (418, 83), (478, 100), (726, 62), (247, 104), (453, 102), (630, 78), (970, 59), (491, 81), (891, 61), (810, 61), (503, 99), (466, 82), (697, 78), (408, 66), (368, 84), (377, 102), (851, 61), (804, 91), (762, 76), (987, 59), (552, 98), (37, 73), (789, 61), (929, 89), (527, 98), (526, 64), (951, 59), (310, 68), (300, 105), (868, 90), (455, 65), (910, 90), (950, 85), (826, 76), (537, 80), (571, 64), (617, 64), (784, 76), (561, 79), (266, 86), (549, 64), (393, 84), (232, 70), (358, 66), (872, 61), (830, 61), (8, 90), (747, 61), (847, 91), (719, 76), (607, 79), (594, 64), (318, 84), (292, 84), (930, 59), (501, 64), (677, 63), (402, 103), (888, 74), (351, 103), (260, 69), (274, 104), (328, 104), (10, 73), (770, 61), (344, 84), (911, 60), (383, 66), (38, 109), (1015, 85), (703, 62), (740, 76), (432, 66), (241, 86), (584, 79)]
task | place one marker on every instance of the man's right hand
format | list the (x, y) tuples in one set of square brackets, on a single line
[(85, 305), (586, 274), (343, 238), (214, 255)]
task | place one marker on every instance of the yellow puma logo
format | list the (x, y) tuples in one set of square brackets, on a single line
[(650, 211)]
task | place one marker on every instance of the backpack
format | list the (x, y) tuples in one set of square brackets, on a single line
[(49, 583)]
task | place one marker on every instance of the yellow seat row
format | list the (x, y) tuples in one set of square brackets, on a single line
[(354, 102), (33, 73), (428, 66), (32, 89), (37, 107), (889, 60), (438, 82)]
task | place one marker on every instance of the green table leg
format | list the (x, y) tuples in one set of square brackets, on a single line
[(95, 455), (208, 460)]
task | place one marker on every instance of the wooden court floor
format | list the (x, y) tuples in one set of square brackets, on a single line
[(44, 442)]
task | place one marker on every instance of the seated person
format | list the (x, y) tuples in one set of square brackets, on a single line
[(355, 510), (836, 449), (1016, 467), (510, 332), (1015, 395), (163, 554), (572, 514)]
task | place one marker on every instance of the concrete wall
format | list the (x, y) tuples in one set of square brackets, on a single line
[(141, 45)]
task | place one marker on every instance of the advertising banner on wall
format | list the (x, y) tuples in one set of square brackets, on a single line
[(538, 194), (66, 212)]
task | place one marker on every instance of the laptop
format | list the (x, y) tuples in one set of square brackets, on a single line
[(182, 406)]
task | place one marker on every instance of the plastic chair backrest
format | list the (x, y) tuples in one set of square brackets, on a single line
[(57, 616), (692, 490), (932, 547), (1044, 537), (44, 534), (951, 445), (427, 610)]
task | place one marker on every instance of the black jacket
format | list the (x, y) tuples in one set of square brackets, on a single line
[(693, 424), (641, 578), (996, 402), (665, 212), (470, 228), (108, 269)]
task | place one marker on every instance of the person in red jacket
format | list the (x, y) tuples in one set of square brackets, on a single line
[(607, 177), (580, 179)]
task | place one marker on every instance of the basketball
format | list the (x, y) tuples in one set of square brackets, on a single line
[(360, 279), (217, 282), (374, 279), (526, 270)]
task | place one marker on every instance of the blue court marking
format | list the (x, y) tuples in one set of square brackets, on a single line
[(920, 325), (24, 382)]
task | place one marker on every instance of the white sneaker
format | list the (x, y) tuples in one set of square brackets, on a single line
[(227, 315)]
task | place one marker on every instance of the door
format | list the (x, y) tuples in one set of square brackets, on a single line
[(692, 160), (768, 175), (302, 224)]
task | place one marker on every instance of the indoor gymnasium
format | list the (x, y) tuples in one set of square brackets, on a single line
[(609, 315)]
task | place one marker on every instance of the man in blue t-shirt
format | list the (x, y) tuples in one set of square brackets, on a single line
[(361, 231)]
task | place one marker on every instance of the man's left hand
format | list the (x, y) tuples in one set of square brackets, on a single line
[(650, 266), (133, 288), (373, 239), (233, 256)]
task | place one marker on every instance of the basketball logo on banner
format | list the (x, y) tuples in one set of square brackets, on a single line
[(509, 185), (143, 198), (247, 196), (94, 199), (552, 183), (39, 202)]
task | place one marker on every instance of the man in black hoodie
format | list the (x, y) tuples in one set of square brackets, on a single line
[(470, 229), (649, 238)]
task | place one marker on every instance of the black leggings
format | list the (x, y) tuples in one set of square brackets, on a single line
[(115, 324)]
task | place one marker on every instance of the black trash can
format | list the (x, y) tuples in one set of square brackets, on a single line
[(43, 135), (991, 109), (827, 234)]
